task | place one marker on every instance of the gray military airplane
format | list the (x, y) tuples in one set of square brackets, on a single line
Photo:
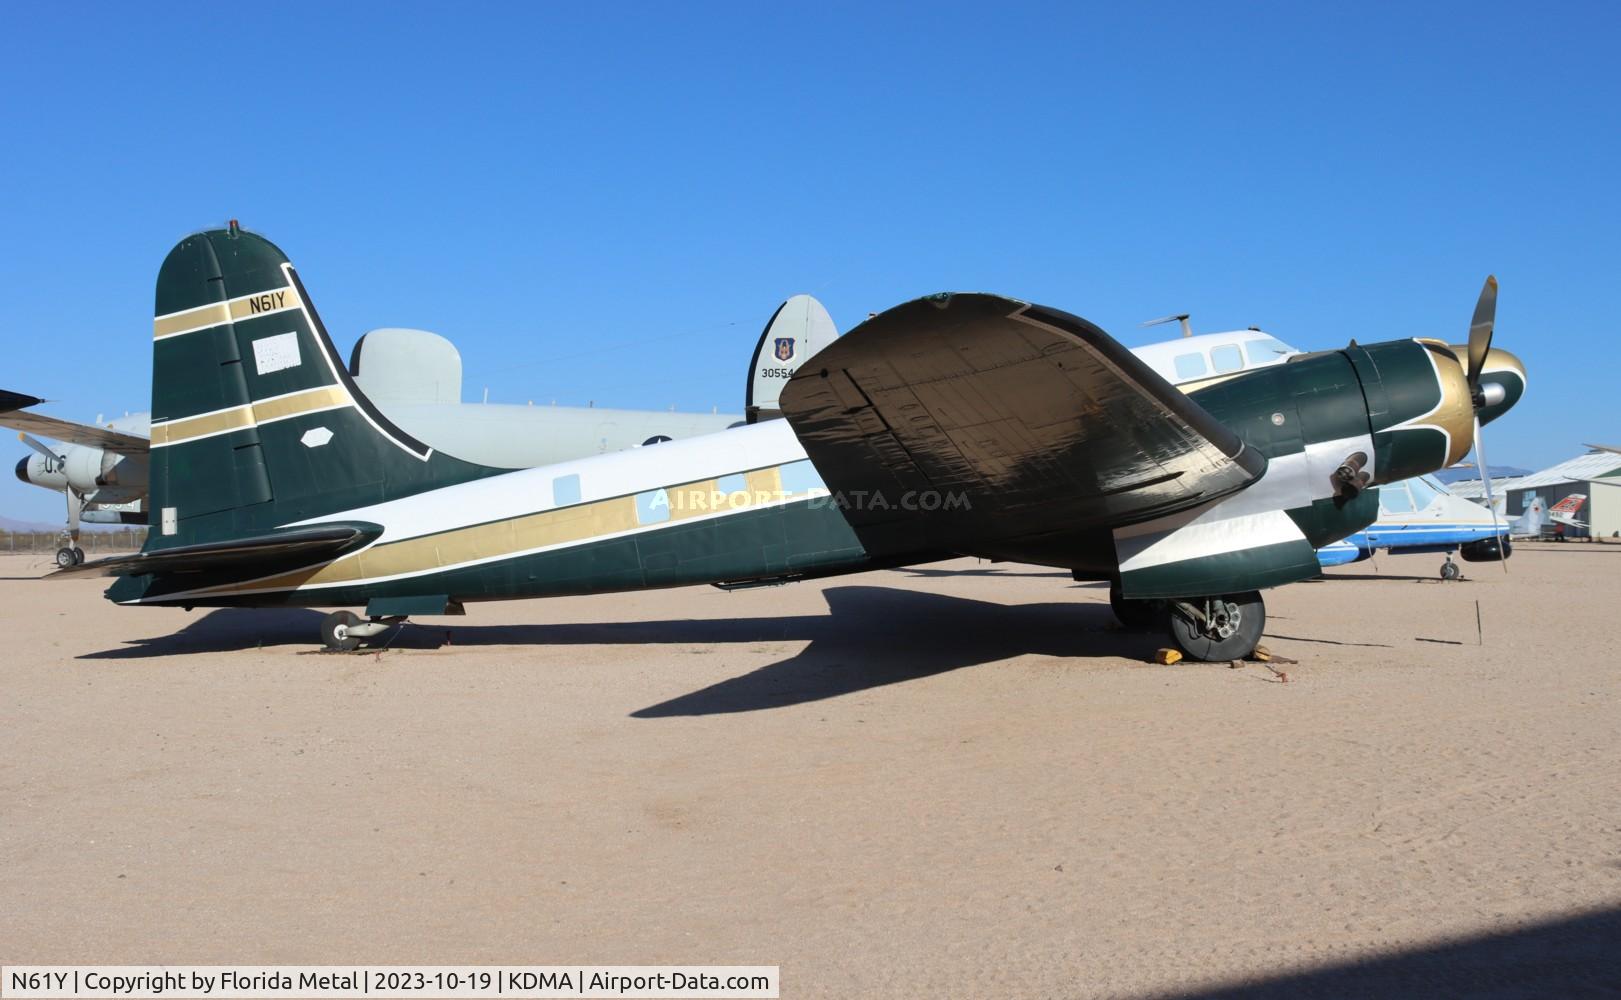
[(415, 378), (957, 424), (101, 468)]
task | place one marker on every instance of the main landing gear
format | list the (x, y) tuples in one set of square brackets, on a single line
[(1450, 569), (70, 554), (343, 631), (1224, 627)]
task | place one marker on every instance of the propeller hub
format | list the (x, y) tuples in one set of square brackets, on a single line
[(1502, 382)]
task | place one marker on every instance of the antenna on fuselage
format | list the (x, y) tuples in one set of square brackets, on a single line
[(1187, 328)]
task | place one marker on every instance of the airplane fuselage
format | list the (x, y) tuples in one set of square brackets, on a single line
[(747, 505)]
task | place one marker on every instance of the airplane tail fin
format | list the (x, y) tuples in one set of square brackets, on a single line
[(255, 421), (796, 331), (1529, 524), (1564, 512), (1570, 505)]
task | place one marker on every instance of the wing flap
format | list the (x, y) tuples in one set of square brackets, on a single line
[(252, 555), (1016, 420)]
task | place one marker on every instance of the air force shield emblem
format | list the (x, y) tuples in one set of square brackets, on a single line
[(785, 348)]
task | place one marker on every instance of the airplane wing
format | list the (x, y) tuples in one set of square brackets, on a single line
[(959, 420), (257, 554), (12, 405)]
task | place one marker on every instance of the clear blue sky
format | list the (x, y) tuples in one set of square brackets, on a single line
[(605, 203)]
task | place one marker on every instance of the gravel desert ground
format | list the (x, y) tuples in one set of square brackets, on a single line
[(959, 780)]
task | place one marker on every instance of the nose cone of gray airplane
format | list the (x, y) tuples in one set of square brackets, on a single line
[(22, 468)]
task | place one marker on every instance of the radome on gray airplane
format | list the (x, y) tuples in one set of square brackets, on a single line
[(415, 378)]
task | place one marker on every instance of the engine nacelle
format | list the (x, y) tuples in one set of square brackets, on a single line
[(1486, 549), (86, 470)]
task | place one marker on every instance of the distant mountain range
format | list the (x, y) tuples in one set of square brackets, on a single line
[(12, 524), (1455, 474)]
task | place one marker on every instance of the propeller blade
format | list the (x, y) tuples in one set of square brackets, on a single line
[(37, 445), (1480, 331), (1485, 470)]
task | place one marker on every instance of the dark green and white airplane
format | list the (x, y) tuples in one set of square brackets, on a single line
[(960, 424)]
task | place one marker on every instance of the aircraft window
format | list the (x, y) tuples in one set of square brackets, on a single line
[(1190, 366), (1393, 499), (565, 490), (652, 507), (1423, 493), (1227, 358), (801, 477), (1265, 352), (732, 484)]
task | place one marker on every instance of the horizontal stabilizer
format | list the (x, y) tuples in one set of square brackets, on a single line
[(247, 556), (16, 401)]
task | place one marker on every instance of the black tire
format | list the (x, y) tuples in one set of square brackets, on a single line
[(1195, 644), (1139, 616), (1450, 571), (78, 555), (334, 628), (64, 558)]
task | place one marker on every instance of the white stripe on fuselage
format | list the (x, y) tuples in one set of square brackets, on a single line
[(529, 491)]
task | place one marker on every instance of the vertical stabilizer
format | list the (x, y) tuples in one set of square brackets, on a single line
[(1529, 524), (255, 422), (798, 329)]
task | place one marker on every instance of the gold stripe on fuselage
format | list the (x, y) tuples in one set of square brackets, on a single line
[(548, 529), (1205, 383)]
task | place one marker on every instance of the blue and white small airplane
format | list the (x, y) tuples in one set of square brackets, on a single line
[(1419, 515)]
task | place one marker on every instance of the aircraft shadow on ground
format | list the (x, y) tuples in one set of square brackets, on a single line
[(870, 637), (876, 636), (1569, 957)]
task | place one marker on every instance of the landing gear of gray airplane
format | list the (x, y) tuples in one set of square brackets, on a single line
[(66, 556), (1450, 570), (1225, 627), (343, 631)]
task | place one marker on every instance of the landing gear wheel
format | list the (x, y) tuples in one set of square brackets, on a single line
[(1450, 570), (1137, 615), (64, 558), (78, 555), (1225, 627), (335, 631)]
